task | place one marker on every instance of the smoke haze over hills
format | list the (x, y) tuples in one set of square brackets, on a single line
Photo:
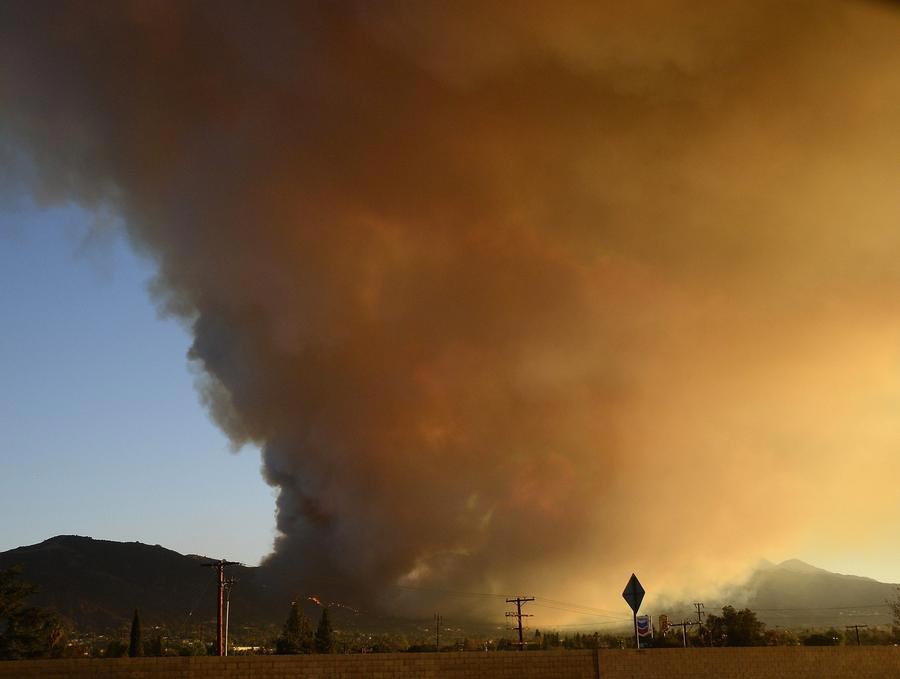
[(96, 584), (512, 298)]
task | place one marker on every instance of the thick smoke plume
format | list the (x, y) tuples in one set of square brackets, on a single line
[(514, 296)]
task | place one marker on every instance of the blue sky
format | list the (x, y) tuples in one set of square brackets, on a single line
[(102, 431)]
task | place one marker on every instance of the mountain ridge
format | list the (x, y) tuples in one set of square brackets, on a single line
[(97, 584)]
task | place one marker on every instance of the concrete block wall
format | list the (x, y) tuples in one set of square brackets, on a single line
[(531, 665), (866, 662), (782, 662)]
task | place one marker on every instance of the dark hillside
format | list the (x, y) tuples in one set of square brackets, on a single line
[(795, 593), (98, 583)]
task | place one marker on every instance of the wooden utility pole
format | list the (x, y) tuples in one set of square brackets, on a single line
[(856, 627), (220, 592), (518, 614), (684, 624), (699, 606)]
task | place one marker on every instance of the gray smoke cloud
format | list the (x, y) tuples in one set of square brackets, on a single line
[(513, 296)]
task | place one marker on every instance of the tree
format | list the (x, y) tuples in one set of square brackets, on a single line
[(116, 649), (324, 634), (735, 628), (193, 648), (895, 613), (781, 637), (827, 638), (297, 636), (26, 631), (156, 646), (135, 643), (550, 640)]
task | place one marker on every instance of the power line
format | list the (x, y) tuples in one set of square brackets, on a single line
[(824, 608), (575, 610), (684, 624), (438, 620), (623, 621), (579, 606), (571, 607), (856, 627), (699, 606), (220, 566), (518, 601)]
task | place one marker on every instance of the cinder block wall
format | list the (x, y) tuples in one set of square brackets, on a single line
[(866, 662), (782, 662), (506, 665)]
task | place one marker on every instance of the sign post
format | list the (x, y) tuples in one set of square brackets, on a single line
[(634, 595)]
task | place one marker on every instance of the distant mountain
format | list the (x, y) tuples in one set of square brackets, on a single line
[(797, 566), (794, 594), (97, 584)]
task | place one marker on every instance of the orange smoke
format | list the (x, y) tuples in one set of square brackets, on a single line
[(512, 299)]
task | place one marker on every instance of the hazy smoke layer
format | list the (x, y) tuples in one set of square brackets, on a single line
[(515, 296)]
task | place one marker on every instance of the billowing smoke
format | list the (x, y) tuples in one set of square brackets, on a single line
[(514, 296)]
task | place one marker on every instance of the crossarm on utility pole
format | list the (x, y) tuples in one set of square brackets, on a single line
[(220, 566), (518, 614)]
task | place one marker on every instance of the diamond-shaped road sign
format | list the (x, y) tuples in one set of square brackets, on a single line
[(634, 593)]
